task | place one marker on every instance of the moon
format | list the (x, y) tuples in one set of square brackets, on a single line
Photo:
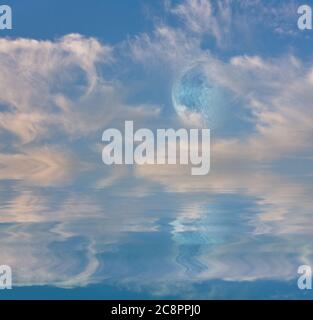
[(198, 99)]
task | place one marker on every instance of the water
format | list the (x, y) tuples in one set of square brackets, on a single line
[(157, 232)]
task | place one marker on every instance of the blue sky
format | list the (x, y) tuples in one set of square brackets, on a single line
[(70, 69), (110, 21), (114, 21)]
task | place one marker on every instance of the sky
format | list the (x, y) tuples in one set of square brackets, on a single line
[(71, 69)]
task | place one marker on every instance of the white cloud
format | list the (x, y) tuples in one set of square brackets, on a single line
[(35, 75), (42, 165), (206, 17), (55, 85)]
